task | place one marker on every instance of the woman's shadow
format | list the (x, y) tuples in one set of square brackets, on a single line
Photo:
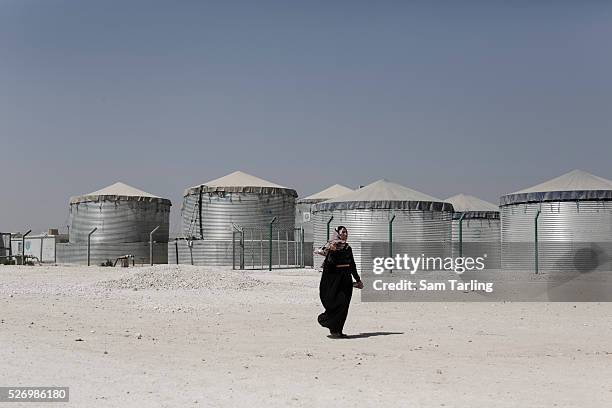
[(371, 334)]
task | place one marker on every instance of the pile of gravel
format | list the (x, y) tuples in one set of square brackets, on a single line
[(170, 277)]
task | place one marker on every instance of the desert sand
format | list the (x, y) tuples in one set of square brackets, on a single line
[(171, 336)]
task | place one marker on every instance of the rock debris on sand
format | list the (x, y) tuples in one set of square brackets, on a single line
[(171, 277)]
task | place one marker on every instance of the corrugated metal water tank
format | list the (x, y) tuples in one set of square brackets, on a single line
[(421, 221), (478, 223), (211, 210), (124, 217), (574, 225)]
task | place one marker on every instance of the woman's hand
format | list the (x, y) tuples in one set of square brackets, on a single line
[(358, 285)]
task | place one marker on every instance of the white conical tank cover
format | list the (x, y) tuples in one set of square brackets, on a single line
[(330, 192), (118, 192), (577, 185), (575, 180), (121, 189), (467, 203), (241, 179), (384, 190)]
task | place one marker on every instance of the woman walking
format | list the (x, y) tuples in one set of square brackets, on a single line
[(336, 287)]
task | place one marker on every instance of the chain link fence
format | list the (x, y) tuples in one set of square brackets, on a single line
[(268, 248), (103, 253)]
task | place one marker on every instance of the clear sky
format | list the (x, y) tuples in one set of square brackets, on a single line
[(482, 97)]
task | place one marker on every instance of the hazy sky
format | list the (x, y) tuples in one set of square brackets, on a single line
[(478, 97)]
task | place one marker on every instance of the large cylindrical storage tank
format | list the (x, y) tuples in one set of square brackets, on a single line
[(476, 229), (422, 222), (573, 218), (303, 213), (124, 217), (212, 210)]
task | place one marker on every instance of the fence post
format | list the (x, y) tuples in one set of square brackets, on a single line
[(270, 242), (537, 267), (242, 249), (89, 245), (233, 250), (176, 250), (23, 237), (461, 235), (190, 245), (329, 222), (200, 212), (10, 246), (151, 244), (391, 236), (302, 262), (287, 246)]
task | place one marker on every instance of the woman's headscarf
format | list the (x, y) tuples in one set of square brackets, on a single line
[(334, 244)]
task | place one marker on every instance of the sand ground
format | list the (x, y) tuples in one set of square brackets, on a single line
[(254, 341)]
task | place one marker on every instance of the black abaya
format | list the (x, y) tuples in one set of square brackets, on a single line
[(336, 288)]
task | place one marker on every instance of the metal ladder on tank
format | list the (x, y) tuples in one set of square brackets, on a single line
[(192, 223)]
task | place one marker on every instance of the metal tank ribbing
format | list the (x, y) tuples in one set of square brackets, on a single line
[(573, 217), (221, 209), (119, 221), (431, 228), (486, 230), (566, 229)]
